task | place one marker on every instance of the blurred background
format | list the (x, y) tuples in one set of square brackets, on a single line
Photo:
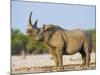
[(65, 15)]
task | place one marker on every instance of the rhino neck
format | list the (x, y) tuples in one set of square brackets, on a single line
[(47, 36)]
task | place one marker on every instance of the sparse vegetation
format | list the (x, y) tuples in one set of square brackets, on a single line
[(20, 41)]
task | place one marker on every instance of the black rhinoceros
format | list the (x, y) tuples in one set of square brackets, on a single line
[(61, 41)]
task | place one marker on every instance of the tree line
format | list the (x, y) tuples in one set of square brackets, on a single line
[(20, 42)]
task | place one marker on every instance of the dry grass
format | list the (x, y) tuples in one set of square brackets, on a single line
[(43, 63)]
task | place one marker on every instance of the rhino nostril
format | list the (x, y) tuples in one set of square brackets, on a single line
[(28, 31)]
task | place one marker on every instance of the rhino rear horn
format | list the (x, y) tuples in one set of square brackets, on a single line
[(35, 24)]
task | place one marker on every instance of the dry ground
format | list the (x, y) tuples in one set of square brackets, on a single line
[(43, 63)]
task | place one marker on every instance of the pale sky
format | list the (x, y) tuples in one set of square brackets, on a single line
[(67, 16)]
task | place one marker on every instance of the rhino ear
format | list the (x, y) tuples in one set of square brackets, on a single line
[(48, 27), (35, 24), (44, 27)]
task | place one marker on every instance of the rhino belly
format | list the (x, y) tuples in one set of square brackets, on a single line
[(73, 48)]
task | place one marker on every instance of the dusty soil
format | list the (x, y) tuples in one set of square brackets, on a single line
[(43, 63)]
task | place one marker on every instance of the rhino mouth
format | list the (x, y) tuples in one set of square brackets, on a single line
[(39, 38)]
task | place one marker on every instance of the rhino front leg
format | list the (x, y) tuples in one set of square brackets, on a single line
[(54, 56), (51, 52), (56, 61), (59, 58)]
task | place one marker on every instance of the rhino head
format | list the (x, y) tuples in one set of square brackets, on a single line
[(32, 29)]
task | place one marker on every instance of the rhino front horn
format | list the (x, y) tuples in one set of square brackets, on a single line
[(30, 22)]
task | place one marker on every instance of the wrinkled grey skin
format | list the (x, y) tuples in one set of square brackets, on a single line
[(63, 42)]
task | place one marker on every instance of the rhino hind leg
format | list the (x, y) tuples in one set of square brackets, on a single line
[(87, 52), (85, 56)]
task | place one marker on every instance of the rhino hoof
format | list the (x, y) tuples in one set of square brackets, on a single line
[(83, 66)]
